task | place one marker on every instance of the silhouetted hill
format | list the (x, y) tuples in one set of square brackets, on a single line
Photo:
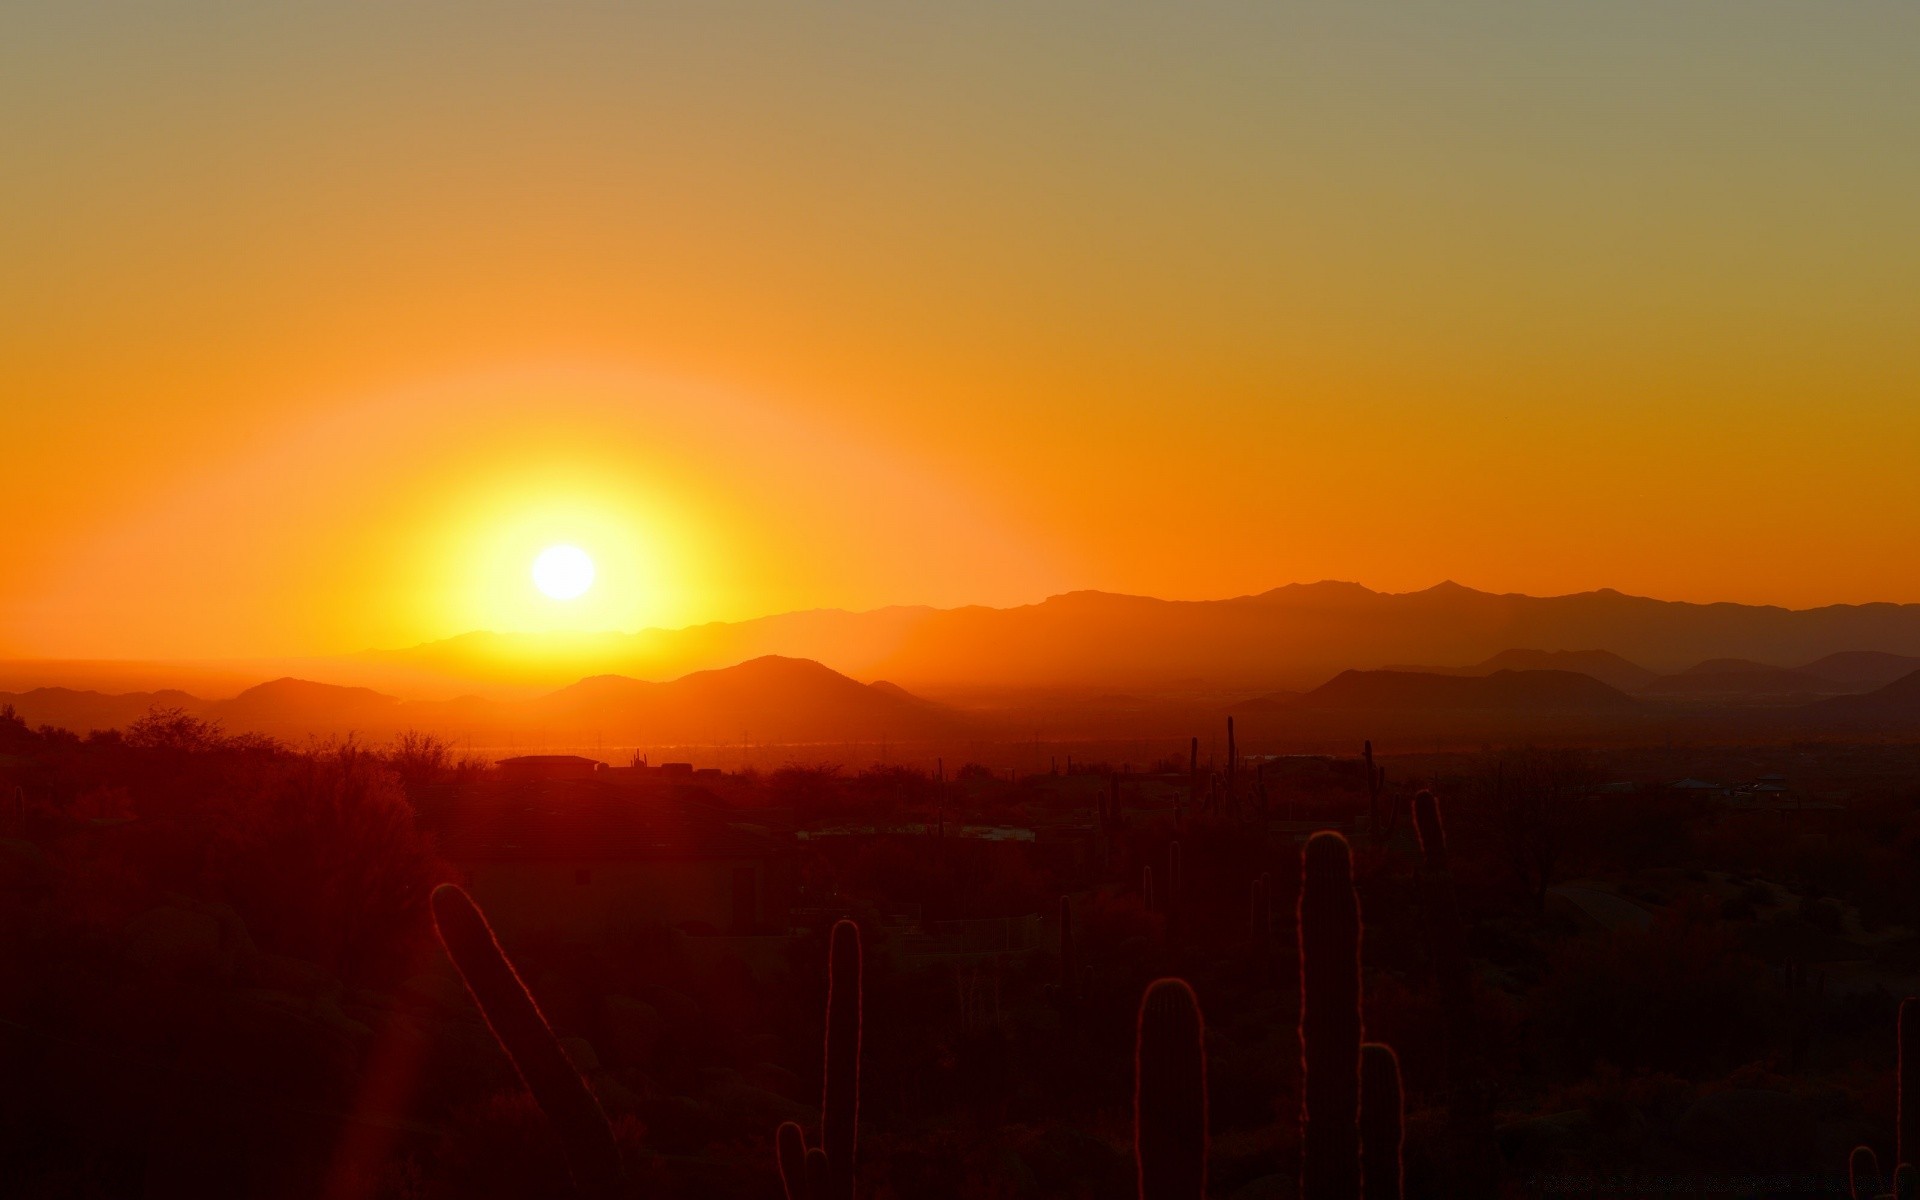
[(1290, 637), (1609, 668), (1734, 680), (81, 711), (769, 699), (1863, 669), (885, 688), (1899, 700), (1517, 692), (288, 707), (1604, 665)]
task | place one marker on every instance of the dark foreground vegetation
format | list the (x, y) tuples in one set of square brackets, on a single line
[(1635, 973)]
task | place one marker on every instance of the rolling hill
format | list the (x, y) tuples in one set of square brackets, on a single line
[(769, 699), (1604, 665), (1863, 670), (67, 708), (1897, 702), (1742, 681), (1525, 693)]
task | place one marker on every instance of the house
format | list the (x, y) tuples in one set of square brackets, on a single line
[(589, 858), (1777, 800), (1696, 787), (1595, 909), (533, 767)]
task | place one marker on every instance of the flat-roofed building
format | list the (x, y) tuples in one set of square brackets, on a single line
[(549, 766)]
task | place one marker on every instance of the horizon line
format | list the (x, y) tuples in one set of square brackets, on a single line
[(1445, 585)]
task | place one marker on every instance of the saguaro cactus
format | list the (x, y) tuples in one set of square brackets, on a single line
[(1233, 757), (517, 1023), (1071, 980), (826, 1171), (1381, 1109), (1170, 1094), (1805, 992), (1445, 935), (1376, 782), (1329, 916), (1066, 942), (1469, 1110), (1433, 837), (1907, 1114), (1864, 1181)]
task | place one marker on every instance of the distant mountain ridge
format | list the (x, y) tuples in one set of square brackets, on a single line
[(769, 699), (1288, 638), (1295, 637), (1095, 662), (1607, 667)]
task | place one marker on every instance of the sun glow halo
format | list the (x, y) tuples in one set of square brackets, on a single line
[(563, 572)]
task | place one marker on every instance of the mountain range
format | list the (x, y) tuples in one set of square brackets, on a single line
[(773, 701), (1300, 658), (1293, 637)]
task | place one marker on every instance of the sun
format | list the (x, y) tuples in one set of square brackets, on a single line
[(563, 572)]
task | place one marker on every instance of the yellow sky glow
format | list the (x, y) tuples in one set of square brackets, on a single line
[(318, 323)]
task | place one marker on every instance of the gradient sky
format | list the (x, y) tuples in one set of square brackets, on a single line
[(318, 320)]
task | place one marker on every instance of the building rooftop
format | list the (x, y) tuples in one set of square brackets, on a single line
[(550, 760)]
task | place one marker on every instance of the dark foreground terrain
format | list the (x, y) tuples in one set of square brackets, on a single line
[(1638, 971)]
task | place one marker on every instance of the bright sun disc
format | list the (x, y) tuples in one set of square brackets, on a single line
[(563, 572)]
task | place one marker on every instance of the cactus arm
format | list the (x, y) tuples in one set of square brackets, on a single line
[(1907, 1114), (1381, 1120), (818, 1174), (790, 1151), (1863, 1174), (516, 1022)]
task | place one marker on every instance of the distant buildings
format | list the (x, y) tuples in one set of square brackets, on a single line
[(536, 767)]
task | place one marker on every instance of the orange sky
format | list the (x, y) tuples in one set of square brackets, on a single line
[(317, 321)]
